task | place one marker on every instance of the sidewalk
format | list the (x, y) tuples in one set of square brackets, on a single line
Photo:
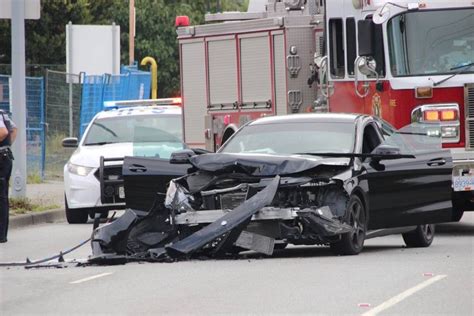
[(46, 193), (49, 193)]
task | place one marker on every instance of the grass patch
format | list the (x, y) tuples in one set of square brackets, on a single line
[(25, 205), (34, 178), (56, 156)]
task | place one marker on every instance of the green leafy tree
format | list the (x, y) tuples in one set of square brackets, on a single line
[(155, 31)]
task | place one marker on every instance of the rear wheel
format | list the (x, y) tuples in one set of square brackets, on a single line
[(352, 242), (422, 236), (75, 216)]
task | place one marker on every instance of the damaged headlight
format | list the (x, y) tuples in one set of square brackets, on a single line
[(178, 198)]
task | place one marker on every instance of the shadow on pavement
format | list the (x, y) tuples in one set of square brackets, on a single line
[(315, 252), (463, 229)]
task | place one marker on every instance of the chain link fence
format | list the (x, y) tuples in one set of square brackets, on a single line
[(63, 103), (132, 84), (72, 100), (35, 126)]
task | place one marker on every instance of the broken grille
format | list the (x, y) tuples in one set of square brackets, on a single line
[(469, 109)]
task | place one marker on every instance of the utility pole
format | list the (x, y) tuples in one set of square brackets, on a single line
[(131, 32), (19, 97)]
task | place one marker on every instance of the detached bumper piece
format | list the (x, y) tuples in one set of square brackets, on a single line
[(154, 238)]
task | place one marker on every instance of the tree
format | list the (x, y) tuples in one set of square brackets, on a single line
[(155, 31)]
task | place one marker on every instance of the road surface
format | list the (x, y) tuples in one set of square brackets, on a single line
[(385, 279)]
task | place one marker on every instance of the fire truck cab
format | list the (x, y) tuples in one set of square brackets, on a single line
[(404, 61)]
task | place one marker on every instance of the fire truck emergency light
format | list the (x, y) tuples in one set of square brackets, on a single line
[(442, 115), (181, 20), (431, 116)]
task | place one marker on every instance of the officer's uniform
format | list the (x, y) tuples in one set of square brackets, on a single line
[(6, 158)]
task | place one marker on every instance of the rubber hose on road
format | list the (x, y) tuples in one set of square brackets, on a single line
[(31, 263)]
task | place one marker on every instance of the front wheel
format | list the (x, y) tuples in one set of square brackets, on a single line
[(352, 243), (422, 236)]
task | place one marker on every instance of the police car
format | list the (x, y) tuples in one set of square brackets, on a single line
[(147, 128)]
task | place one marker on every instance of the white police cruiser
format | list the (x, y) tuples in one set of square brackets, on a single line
[(148, 128)]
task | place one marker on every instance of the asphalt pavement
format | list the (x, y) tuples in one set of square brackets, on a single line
[(386, 279)]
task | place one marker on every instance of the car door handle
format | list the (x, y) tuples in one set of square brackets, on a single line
[(137, 168), (436, 162)]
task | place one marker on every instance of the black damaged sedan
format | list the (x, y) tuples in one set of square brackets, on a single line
[(308, 179)]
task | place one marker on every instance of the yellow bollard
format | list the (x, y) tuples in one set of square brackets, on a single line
[(154, 75)]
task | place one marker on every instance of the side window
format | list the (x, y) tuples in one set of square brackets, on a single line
[(379, 51), (336, 48), (378, 48), (371, 139), (351, 45)]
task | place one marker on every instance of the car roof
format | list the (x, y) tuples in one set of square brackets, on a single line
[(310, 117), (141, 110)]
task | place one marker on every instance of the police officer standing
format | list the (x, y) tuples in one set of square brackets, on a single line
[(7, 137)]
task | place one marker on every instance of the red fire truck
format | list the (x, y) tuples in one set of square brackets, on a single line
[(405, 61)]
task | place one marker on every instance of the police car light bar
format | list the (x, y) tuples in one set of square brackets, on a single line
[(111, 105)]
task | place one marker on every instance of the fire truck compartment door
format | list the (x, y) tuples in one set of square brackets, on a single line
[(194, 91), (256, 74), (222, 62)]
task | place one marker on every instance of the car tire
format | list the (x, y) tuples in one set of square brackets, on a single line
[(75, 216), (352, 243), (422, 236)]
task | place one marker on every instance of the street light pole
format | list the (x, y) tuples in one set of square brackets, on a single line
[(18, 97), (131, 32)]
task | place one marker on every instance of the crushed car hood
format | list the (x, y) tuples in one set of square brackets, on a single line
[(261, 164)]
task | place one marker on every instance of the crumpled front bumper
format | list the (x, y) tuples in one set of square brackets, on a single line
[(163, 236)]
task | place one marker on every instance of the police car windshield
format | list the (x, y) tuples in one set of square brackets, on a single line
[(435, 42), (135, 129)]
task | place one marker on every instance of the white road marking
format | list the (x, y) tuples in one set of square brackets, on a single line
[(400, 297), (91, 278)]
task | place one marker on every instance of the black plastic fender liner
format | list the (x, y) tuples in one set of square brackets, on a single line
[(226, 223), (112, 237)]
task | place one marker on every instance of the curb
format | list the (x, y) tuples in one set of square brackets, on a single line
[(50, 216)]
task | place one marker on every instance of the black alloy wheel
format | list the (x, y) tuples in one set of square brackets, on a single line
[(352, 243), (422, 236)]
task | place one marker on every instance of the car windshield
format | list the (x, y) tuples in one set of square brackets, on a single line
[(431, 42), (293, 138), (151, 135)]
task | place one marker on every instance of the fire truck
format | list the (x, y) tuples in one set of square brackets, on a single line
[(404, 61)]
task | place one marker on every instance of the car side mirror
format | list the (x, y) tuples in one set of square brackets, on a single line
[(200, 151), (181, 157), (70, 142), (386, 150)]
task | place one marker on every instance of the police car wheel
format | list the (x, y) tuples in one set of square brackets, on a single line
[(75, 216)]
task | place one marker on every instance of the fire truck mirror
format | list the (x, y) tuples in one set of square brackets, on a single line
[(365, 37), (366, 66), (318, 60), (381, 15)]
